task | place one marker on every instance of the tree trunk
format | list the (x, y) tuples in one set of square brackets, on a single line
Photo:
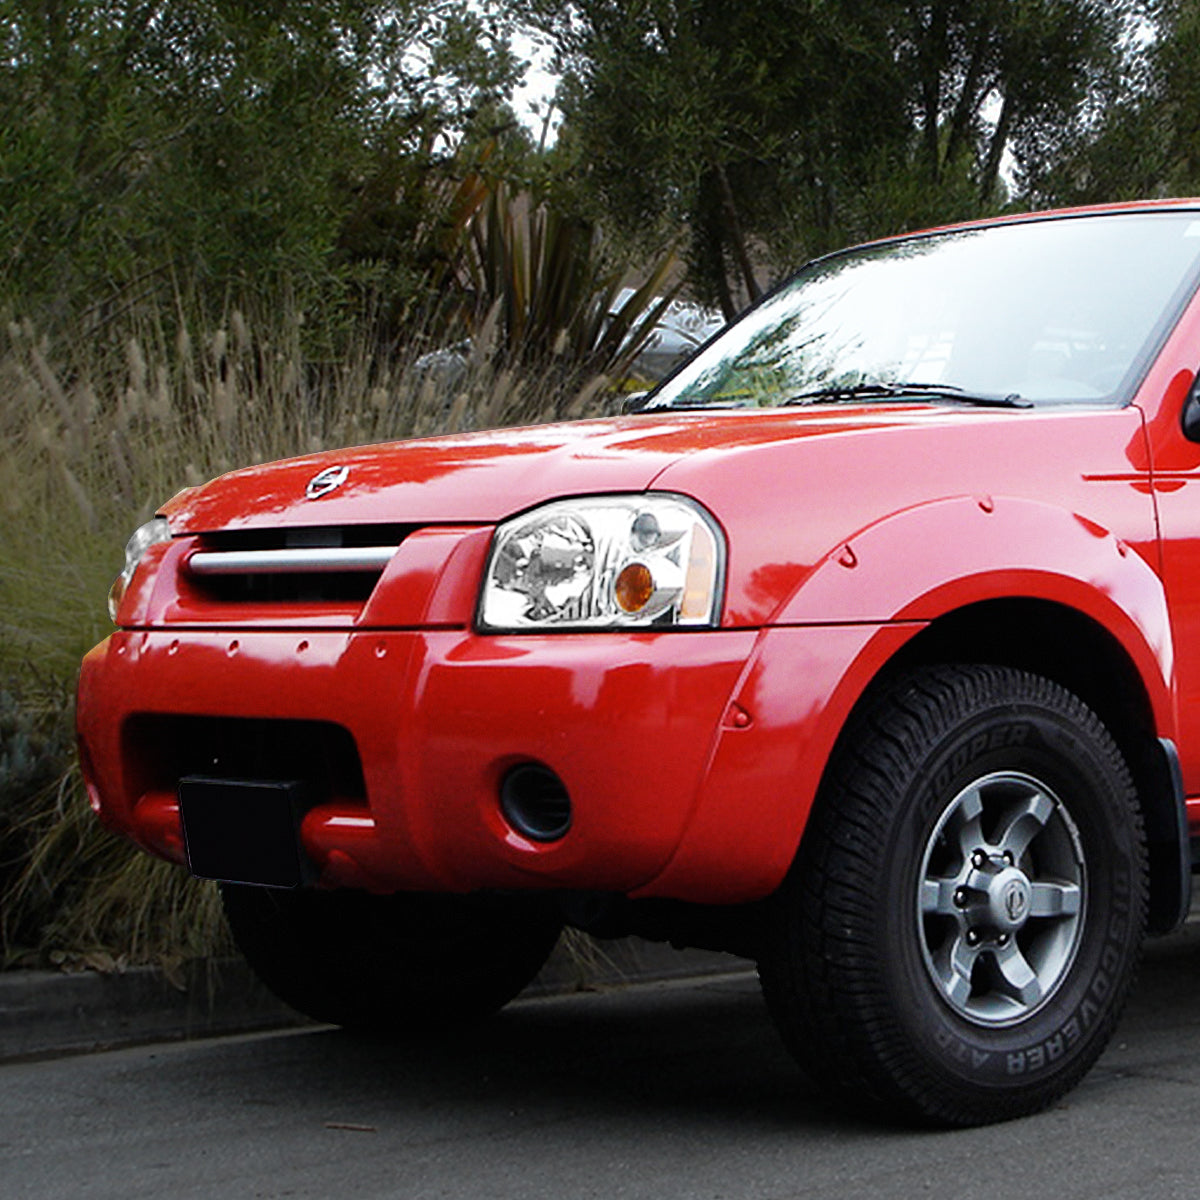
[(995, 154), (736, 239), (709, 235), (931, 53), (969, 98)]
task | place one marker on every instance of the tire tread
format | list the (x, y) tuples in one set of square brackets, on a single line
[(819, 975)]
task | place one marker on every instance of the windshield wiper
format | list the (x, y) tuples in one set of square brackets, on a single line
[(904, 391), (682, 404)]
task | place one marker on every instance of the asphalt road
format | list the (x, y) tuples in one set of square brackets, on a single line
[(662, 1091)]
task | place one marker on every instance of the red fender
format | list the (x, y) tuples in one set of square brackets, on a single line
[(851, 614)]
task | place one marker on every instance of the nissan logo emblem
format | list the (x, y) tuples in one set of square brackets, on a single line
[(324, 482), (1015, 901)]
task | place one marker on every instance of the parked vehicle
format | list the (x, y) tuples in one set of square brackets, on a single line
[(868, 648), (683, 327)]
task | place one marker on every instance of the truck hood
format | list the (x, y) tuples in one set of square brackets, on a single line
[(485, 477), (787, 486)]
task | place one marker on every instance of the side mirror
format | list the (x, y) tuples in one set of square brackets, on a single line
[(1190, 418)]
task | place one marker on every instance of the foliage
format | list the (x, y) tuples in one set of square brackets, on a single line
[(690, 114), (234, 145), (779, 129), (85, 899), (542, 294), (35, 745), (1145, 141), (1038, 64)]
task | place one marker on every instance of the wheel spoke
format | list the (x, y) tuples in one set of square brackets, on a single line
[(937, 896), (968, 816), (955, 965), (1020, 981), (1024, 824), (1054, 900)]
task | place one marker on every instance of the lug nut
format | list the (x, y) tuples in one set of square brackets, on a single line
[(979, 860), (960, 897), (1008, 858), (1002, 940), (972, 937)]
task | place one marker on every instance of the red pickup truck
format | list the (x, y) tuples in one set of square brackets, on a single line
[(864, 646)]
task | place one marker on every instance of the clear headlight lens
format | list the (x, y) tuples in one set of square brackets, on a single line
[(605, 562), (157, 530)]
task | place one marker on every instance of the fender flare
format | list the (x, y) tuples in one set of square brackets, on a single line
[(925, 562), (843, 624)]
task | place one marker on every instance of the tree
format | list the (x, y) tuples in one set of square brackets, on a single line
[(222, 142), (774, 130), (1145, 141), (699, 115), (996, 77)]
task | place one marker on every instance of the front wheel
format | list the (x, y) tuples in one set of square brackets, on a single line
[(391, 962), (958, 935)]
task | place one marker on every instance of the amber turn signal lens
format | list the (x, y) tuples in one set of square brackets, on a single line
[(634, 587)]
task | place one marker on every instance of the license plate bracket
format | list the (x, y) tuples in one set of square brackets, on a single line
[(245, 830)]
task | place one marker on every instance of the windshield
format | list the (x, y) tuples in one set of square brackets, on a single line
[(1067, 310)]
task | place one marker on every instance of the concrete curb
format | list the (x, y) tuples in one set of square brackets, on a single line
[(48, 1013)]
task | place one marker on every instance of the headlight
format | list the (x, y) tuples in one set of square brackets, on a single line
[(153, 531), (605, 562)]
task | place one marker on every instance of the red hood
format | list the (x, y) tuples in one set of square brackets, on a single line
[(484, 477), (788, 486)]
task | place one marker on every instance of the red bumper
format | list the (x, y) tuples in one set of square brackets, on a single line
[(691, 759), (628, 722)]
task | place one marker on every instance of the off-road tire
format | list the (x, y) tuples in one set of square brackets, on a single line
[(389, 962), (899, 975)]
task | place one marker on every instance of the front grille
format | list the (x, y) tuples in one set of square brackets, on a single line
[(331, 564), (162, 749)]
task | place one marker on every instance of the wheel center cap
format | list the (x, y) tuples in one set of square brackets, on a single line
[(1009, 897)]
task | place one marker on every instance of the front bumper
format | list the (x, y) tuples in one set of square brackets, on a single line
[(629, 722)]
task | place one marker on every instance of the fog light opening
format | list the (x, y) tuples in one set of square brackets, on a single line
[(535, 803)]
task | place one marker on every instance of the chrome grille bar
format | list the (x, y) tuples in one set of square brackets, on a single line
[(317, 560)]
